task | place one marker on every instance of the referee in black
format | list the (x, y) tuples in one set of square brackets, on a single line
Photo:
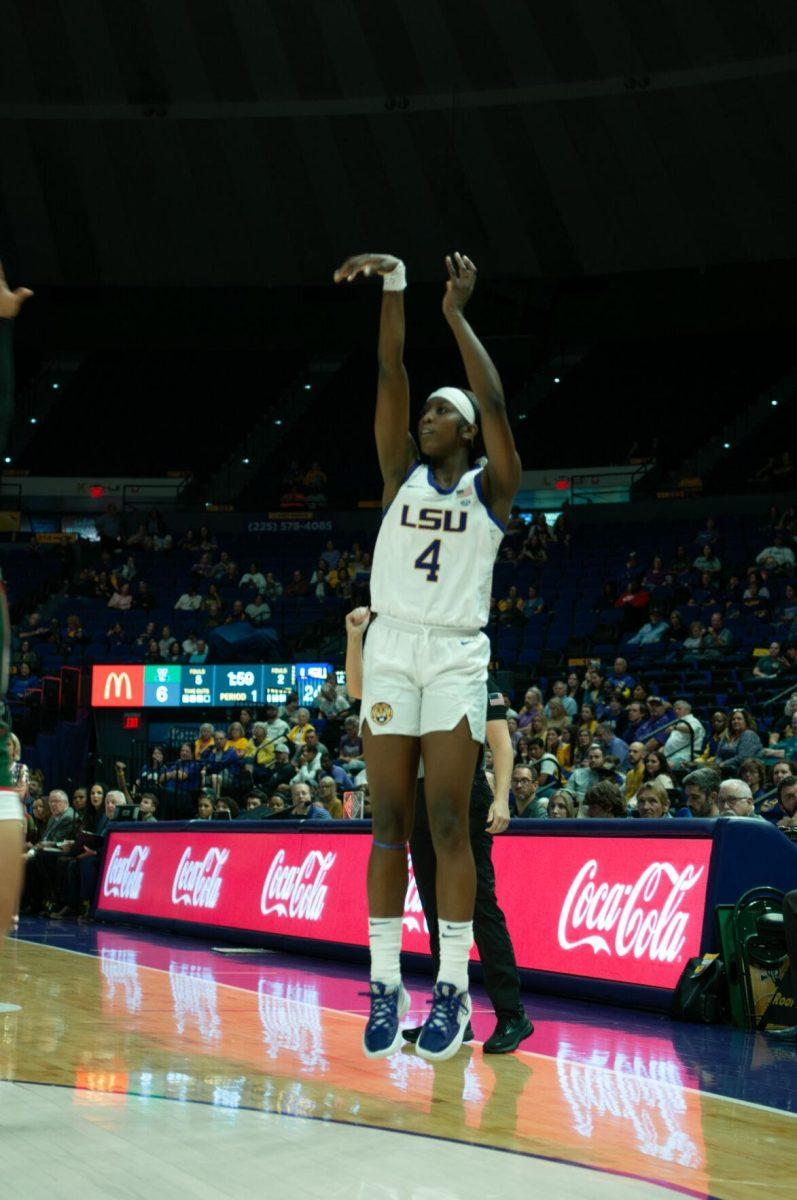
[(488, 815)]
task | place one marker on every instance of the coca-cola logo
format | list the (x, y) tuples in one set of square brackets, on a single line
[(124, 874), (198, 883), (643, 919), (297, 892)]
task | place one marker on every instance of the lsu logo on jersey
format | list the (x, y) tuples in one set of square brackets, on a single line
[(381, 713), (435, 518)]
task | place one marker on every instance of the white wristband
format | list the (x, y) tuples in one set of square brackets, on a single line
[(395, 280)]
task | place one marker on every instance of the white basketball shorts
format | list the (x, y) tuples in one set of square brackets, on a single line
[(421, 679), (10, 806)]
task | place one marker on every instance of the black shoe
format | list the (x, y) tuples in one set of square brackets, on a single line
[(783, 1035), (412, 1035), (508, 1034)]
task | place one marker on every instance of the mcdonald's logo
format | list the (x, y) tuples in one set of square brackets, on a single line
[(117, 686)]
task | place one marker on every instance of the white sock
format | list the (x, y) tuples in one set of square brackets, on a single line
[(384, 938), (456, 939)]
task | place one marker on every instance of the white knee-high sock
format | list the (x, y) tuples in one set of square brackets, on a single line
[(384, 938), (456, 939)]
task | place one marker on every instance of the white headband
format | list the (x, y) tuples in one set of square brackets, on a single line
[(461, 401)]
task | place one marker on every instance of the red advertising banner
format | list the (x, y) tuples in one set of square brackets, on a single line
[(117, 687), (628, 909)]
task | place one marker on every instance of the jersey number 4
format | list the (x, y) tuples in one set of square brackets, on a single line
[(429, 561)]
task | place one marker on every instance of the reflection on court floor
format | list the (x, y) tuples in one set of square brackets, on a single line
[(616, 1092)]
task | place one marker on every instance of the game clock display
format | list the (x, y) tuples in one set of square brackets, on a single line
[(204, 686)]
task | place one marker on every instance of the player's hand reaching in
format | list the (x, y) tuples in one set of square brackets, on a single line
[(357, 621), (460, 283), (498, 816), (365, 264), (11, 302)]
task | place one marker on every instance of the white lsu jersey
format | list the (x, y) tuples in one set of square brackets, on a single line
[(433, 561)]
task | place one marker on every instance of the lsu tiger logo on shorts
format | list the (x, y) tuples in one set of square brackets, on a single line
[(381, 713)]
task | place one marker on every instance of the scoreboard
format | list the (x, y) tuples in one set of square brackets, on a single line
[(204, 685)]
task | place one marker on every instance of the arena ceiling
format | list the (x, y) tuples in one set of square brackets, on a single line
[(255, 142)]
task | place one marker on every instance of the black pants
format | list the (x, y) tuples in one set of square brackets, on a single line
[(490, 933), (790, 924)]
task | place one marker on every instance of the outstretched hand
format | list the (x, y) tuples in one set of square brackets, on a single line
[(365, 264), (460, 283), (11, 302)]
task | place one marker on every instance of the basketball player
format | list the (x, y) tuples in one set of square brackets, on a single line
[(10, 805), (488, 816), (425, 662)]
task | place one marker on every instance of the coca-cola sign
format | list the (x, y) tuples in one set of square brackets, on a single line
[(296, 892), (124, 873), (627, 908), (643, 918)]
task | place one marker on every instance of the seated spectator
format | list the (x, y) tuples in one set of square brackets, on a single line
[(254, 579), (652, 801), (236, 613), (707, 591), (534, 604), (701, 789), (718, 730), (258, 610), (180, 780), (330, 555), (656, 770), (652, 731), (531, 707), (679, 564), (510, 609), (220, 572), (753, 772), (685, 740), (328, 796), (343, 780), (121, 598), (788, 610), (693, 644), (165, 641), (190, 601), (633, 600), (768, 665), (586, 776), (175, 654), (635, 769), (207, 540), (651, 632), (297, 587), (783, 812), (717, 640), (533, 549), (221, 763), (778, 556), (558, 748), (611, 744), (350, 750), (319, 586), (559, 692), (203, 567), (144, 598), (604, 800), (655, 576), (225, 807), (637, 716), (340, 578), (755, 598), (200, 654), (331, 703), (204, 741), (561, 806), (783, 745), (237, 739), (148, 778), (707, 561), (580, 749), (308, 766), (736, 800), (523, 800), (298, 734), (587, 719), (546, 766), (619, 678), (739, 742), (558, 719)]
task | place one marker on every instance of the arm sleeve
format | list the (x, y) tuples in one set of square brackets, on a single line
[(496, 708), (6, 381)]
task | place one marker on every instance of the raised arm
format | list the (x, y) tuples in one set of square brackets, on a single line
[(10, 304), (501, 476), (395, 447)]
